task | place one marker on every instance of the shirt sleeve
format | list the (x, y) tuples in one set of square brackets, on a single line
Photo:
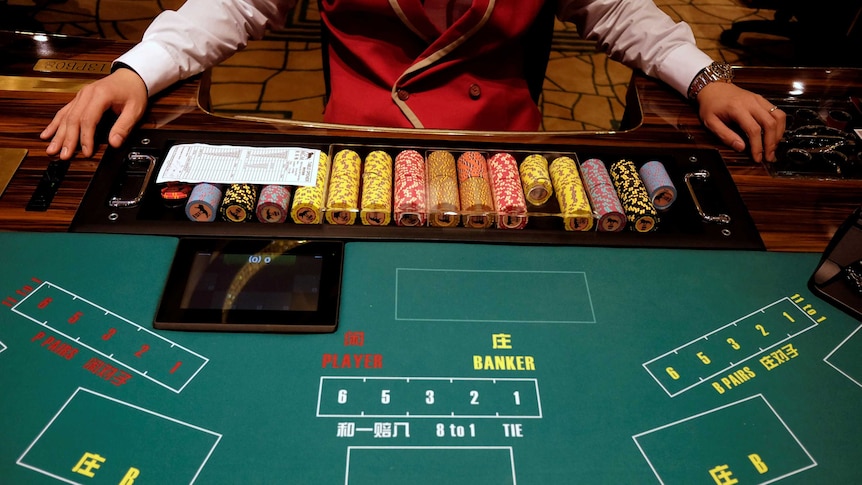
[(200, 34), (640, 35)]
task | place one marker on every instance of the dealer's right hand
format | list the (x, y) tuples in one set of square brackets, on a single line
[(123, 91)]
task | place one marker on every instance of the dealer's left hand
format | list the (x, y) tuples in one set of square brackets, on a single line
[(722, 105)]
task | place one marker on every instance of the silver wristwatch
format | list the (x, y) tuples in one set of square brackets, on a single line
[(717, 71)]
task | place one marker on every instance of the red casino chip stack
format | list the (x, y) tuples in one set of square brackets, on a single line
[(606, 202), (273, 204), (175, 194), (507, 190), (409, 194)]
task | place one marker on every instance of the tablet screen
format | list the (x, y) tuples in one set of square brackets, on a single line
[(279, 285)]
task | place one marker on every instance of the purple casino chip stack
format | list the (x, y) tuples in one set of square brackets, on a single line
[(204, 202), (606, 202), (661, 191)]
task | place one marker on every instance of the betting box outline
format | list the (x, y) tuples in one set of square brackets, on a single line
[(834, 366), (714, 410), (436, 416), (20, 459), (506, 448), (110, 357), (460, 270), (734, 323)]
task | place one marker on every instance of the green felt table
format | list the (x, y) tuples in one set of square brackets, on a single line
[(452, 363)]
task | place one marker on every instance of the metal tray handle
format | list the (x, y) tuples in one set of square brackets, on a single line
[(703, 175)]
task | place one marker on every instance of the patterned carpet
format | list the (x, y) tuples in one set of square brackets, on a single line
[(281, 76)]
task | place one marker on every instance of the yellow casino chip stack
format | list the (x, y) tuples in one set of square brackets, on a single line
[(571, 195), (342, 202), (474, 187), (376, 206), (308, 201), (444, 204), (535, 179)]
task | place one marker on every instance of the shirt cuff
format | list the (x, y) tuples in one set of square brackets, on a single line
[(153, 64), (681, 66)]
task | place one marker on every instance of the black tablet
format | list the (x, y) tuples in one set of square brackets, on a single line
[(253, 285), (838, 277)]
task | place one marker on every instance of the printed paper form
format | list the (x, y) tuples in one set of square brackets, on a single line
[(226, 164)]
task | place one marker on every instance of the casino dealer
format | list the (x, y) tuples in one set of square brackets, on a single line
[(442, 64)]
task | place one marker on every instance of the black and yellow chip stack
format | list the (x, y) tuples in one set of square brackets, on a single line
[(640, 211), (239, 202)]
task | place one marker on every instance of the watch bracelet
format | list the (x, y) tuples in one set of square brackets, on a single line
[(716, 71)]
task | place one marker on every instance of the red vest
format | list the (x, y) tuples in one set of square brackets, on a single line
[(390, 66)]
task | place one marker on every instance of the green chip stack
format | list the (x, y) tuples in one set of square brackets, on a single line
[(641, 214)]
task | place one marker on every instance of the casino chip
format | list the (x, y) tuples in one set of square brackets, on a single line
[(343, 198), (308, 201), (175, 194), (661, 190), (444, 202), (273, 204), (376, 205), (536, 179), (571, 195), (409, 194), (477, 204), (204, 202), (640, 211), (508, 192), (238, 203), (605, 201)]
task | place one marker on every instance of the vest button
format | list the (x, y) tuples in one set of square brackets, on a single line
[(475, 91), (403, 94)]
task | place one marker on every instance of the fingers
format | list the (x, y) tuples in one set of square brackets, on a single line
[(723, 105), (774, 124), (764, 127), (724, 133), (124, 125), (76, 122)]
